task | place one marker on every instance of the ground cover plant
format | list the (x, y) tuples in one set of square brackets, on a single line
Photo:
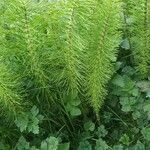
[(74, 75)]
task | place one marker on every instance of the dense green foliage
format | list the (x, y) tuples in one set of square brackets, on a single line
[(74, 74), (141, 31)]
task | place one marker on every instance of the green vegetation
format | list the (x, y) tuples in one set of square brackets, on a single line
[(75, 75)]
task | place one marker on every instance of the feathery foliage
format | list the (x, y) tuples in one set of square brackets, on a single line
[(75, 44), (57, 61), (10, 96), (140, 14), (69, 18), (103, 41), (24, 39)]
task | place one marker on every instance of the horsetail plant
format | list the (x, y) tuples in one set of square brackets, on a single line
[(102, 50), (67, 44), (141, 35), (10, 93)]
